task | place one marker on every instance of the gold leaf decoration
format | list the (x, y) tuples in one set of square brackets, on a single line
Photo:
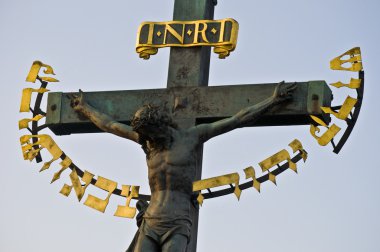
[(354, 60), (97, 203), (35, 69)]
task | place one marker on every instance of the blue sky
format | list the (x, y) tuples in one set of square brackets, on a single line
[(331, 205)]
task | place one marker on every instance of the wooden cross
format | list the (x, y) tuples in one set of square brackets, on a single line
[(189, 98)]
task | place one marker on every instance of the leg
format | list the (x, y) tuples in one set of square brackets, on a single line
[(146, 244), (176, 243)]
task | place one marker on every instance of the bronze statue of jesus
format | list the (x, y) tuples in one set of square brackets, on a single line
[(170, 152)]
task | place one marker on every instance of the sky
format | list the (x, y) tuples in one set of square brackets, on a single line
[(331, 205)]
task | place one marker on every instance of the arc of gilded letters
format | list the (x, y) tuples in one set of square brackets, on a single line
[(227, 179), (355, 60), (126, 211), (296, 145), (97, 203), (31, 149)]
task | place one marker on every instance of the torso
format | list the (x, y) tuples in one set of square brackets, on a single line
[(171, 173)]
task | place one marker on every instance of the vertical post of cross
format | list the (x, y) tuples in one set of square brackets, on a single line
[(190, 67)]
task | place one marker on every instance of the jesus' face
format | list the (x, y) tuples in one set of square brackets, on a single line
[(151, 122)]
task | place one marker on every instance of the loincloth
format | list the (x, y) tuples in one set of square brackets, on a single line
[(161, 230)]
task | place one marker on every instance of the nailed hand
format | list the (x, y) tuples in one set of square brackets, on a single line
[(77, 101), (284, 91)]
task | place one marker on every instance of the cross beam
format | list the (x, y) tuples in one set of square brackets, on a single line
[(204, 104)]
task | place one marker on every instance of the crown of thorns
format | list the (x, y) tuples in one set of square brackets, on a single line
[(151, 115)]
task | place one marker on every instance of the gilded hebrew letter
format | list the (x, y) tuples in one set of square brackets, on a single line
[(344, 111), (28, 152), (97, 203), (77, 185), (296, 145), (327, 136), (276, 159), (35, 69), (354, 84), (355, 60), (45, 141), (250, 173), (64, 165), (227, 179), (24, 123), (127, 211), (27, 96)]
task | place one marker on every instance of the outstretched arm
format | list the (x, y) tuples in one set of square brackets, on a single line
[(282, 93), (101, 120)]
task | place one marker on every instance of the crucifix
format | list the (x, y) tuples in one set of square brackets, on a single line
[(190, 104)]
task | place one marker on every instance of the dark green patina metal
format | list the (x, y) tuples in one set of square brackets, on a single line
[(203, 104), (189, 67)]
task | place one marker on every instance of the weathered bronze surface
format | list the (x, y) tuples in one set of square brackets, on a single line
[(170, 153), (206, 104)]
